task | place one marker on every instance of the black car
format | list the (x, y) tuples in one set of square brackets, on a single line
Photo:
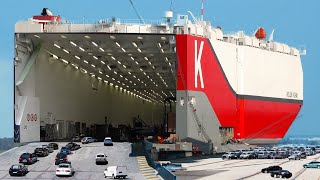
[(281, 173), (28, 158), (73, 146), (270, 169), (54, 146), (41, 152), (18, 170), (61, 158)]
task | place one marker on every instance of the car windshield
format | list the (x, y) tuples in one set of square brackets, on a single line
[(25, 155), (61, 155), (64, 148), (39, 149), (100, 155), (63, 166), (16, 167)]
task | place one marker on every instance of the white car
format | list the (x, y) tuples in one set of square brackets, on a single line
[(101, 158), (116, 172), (64, 170), (87, 140)]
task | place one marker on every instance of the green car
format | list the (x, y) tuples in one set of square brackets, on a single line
[(313, 164)]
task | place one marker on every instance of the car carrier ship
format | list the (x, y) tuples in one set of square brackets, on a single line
[(224, 86)]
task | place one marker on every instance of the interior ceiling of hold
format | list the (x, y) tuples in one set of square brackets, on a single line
[(143, 64)]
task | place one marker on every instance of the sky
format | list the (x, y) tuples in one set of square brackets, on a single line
[(295, 22)]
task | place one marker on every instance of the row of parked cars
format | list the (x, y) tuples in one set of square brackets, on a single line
[(292, 153), (61, 159), (64, 167), (277, 171)]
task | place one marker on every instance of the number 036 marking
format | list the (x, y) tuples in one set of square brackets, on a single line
[(32, 117)]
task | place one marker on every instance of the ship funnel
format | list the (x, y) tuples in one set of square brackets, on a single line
[(46, 12), (168, 15)]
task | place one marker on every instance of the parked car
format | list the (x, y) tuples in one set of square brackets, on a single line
[(61, 158), (303, 155), (263, 155), (87, 140), (108, 141), (76, 139), (18, 170), (281, 173), (41, 152), (50, 150), (271, 168), (73, 146), (294, 157), (65, 150), (248, 155), (101, 159), (313, 164), (279, 156), (65, 169), (28, 158), (229, 155), (116, 172), (54, 146)]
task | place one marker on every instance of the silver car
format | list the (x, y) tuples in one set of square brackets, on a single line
[(87, 140)]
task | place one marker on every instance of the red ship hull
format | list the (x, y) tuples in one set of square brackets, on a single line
[(251, 117)]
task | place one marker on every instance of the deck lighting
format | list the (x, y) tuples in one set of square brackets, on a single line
[(94, 43), (81, 49), (73, 43), (64, 61), (134, 44), (83, 70), (57, 46), (66, 51)]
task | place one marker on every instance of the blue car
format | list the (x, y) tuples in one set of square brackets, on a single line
[(313, 164), (65, 150), (108, 141)]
